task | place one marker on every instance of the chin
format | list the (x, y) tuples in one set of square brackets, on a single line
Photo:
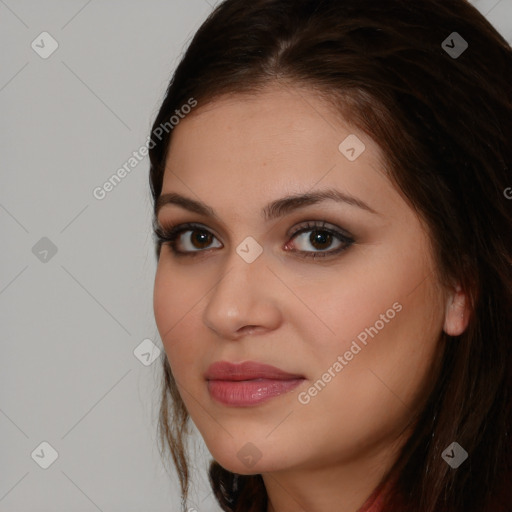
[(246, 458), (235, 466)]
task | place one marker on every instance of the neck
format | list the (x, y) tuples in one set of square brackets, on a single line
[(342, 487)]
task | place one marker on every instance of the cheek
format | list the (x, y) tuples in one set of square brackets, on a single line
[(178, 299), (173, 303), (384, 319), (164, 301), (365, 294), (175, 295)]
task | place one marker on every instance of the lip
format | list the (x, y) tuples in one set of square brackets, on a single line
[(249, 383), (248, 370)]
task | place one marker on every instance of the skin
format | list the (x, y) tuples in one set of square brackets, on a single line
[(236, 155)]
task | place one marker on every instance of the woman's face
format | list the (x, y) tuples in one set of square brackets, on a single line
[(350, 306)]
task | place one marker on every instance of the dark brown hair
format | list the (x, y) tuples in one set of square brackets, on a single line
[(444, 123)]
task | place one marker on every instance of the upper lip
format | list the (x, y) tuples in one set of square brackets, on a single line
[(248, 370)]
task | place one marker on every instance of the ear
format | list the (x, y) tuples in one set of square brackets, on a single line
[(457, 312)]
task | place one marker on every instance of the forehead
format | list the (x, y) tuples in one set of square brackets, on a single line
[(282, 139)]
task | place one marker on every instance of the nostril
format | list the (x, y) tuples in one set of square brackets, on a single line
[(249, 329)]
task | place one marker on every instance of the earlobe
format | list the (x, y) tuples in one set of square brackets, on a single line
[(457, 313)]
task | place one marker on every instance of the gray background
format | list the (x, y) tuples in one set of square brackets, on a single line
[(72, 320)]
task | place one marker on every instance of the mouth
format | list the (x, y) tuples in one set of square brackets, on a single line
[(249, 383)]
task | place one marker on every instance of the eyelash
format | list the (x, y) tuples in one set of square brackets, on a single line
[(170, 234)]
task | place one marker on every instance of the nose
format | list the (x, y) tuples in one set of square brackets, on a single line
[(245, 300)]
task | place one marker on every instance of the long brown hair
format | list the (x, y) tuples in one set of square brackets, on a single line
[(443, 119)]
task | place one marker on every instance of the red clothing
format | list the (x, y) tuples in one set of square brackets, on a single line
[(372, 505), (375, 507)]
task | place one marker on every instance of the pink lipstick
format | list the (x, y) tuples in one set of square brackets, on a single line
[(248, 383)]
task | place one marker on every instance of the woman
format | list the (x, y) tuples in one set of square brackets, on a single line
[(334, 244)]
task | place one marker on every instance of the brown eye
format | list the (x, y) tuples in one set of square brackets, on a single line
[(321, 240), (201, 239), (195, 239), (315, 240)]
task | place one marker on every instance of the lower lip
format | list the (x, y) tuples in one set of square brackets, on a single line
[(244, 393)]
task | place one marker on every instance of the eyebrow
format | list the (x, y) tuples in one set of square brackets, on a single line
[(273, 210)]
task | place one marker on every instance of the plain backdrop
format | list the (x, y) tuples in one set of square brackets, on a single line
[(78, 391)]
